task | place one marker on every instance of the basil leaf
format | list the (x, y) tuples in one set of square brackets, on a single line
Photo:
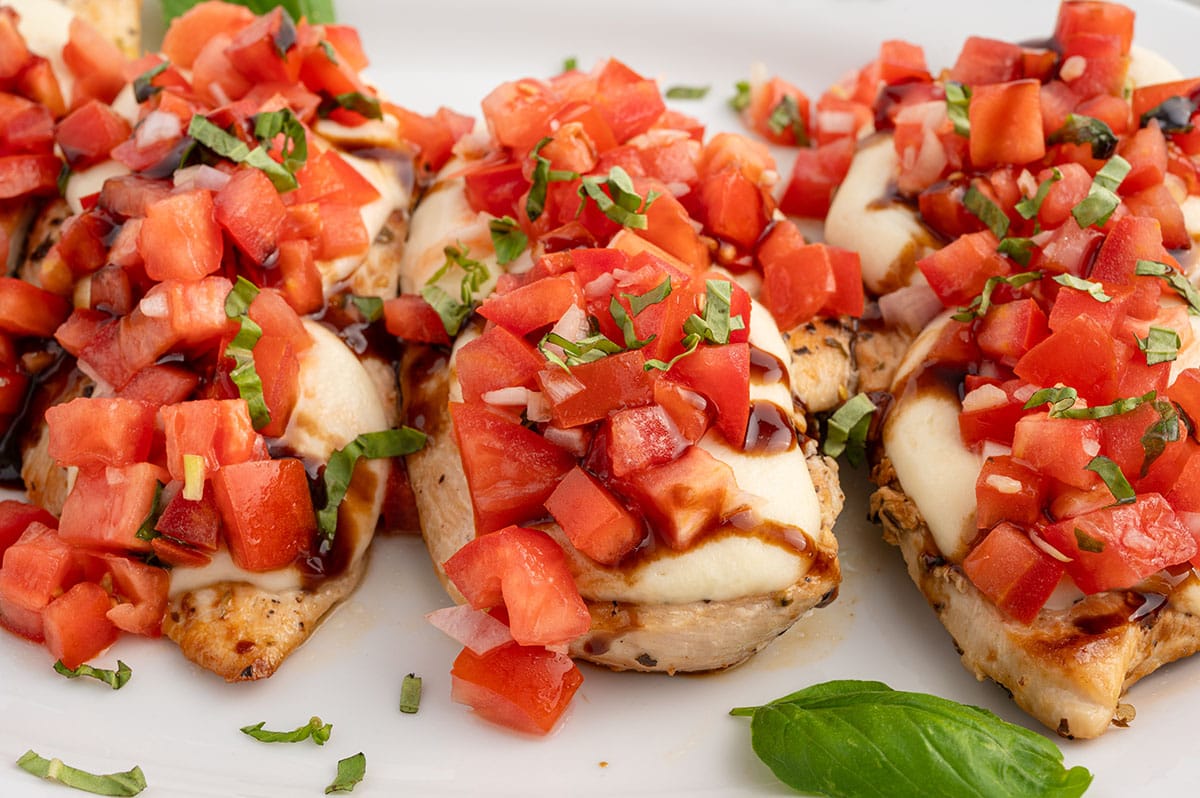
[(639, 302), (543, 176), (621, 203), (131, 782), (350, 771), (454, 312), (1062, 401), (740, 101), (690, 344), (241, 350), (981, 304), (1092, 289), (1080, 129), (116, 679), (958, 103), (356, 101), (687, 92), (586, 350), (143, 87), (1113, 478), (1160, 433), (410, 694), (1017, 249), (340, 468), (371, 307), (1102, 199), (1028, 208), (508, 239), (1161, 345), (147, 531), (226, 145), (1174, 115), (1182, 285), (617, 310), (716, 324), (859, 738), (570, 63), (846, 430), (1088, 543), (982, 208), (786, 116), (316, 729), (330, 53), (318, 12), (294, 152)]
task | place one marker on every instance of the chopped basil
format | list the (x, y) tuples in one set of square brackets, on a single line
[(1017, 249), (410, 694), (857, 738), (982, 208), (193, 477), (340, 468), (226, 145), (371, 307), (1088, 543), (330, 53), (350, 771), (687, 92), (147, 531), (586, 350), (143, 86), (1161, 345), (356, 101), (690, 344), (621, 203), (508, 239), (116, 679), (1092, 289), (786, 115), (981, 304), (1029, 207), (846, 430), (1174, 115), (294, 150), (131, 782), (1160, 433), (617, 310), (1117, 484), (639, 302), (453, 312), (543, 176), (1062, 404), (64, 177), (740, 101), (1102, 199), (958, 103), (1080, 129), (1177, 281), (241, 349), (1060, 400), (570, 63), (316, 729), (317, 12), (716, 325)]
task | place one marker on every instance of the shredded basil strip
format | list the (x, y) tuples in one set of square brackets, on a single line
[(330, 53), (1102, 200), (1087, 543), (1029, 207), (1174, 115), (570, 63), (147, 531), (339, 469), (1080, 129), (687, 92), (716, 325), (1093, 289), (116, 679), (585, 350), (294, 151), (316, 729), (143, 86), (981, 304), (543, 176), (982, 208), (846, 430), (1017, 249), (740, 101), (371, 307), (639, 302), (1111, 473), (958, 103), (1160, 433), (226, 145), (621, 203), (350, 771), (690, 344), (508, 239), (853, 738), (617, 310), (453, 312), (64, 177), (1161, 345), (786, 116), (410, 694), (1181, 285), (241, 349), (1062, 404), (356, 101), (131, 782), (1060, 400)]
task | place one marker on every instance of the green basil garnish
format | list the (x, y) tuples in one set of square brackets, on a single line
[(410, 694), (116, 679), (143, 86), (982, 208), (570, 63), (621, 203), (356, 101), (1017, 249), (1174, 115), (1087, 543), (508, 239), (687, 92), (131, 782), (981, 304), (340, 468), (241, 350), (617, 310), (958, 103), (453, 312), (147, 531), (586, 350), (543, 176), (1102, 199), (786, 115), (350, 771), (316, 729), (371, 307), (740, 101), (1180, 284), (1062, 404), (1080, 129), (267, 126), (1093, 289), (1161, 345), (1156, 437), (1029, 207), (1113, 477), (317, 12), (846, 430)]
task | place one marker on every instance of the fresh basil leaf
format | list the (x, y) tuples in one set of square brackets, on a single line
[(687, 92), (982, 208), (846, 430), (740, 101), (1174, 115), (958, 103), (116, 679), (410, 694), (241, 350), (453, 312), (1113, 478), (508, 239), (350, 771), (371, 307), (131, 782), (284, 39), (1060, 400), (639, 302), (1029, 207), (620, 203), (1017, 249), (690, 344), (785, 116), (981, 304), (617, 310), (1156, 437), (1181, 285), (1161, 345), (317, 12), (570, 63), (294, 150), (226, 145), (586, 350), (543, 176), (143, 86), (147, 531), (340, 468), (356, 101), (64, 177), (1092, 289), (1102, 200), (857, 738), (330, 53), (316, 729), (1088, 543), (716, 325), (1080, 129)]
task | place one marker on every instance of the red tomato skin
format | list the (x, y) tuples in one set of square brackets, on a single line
[(267, 512), (798, 278), (1081, 355), (642, 437), (88, 134), (411, 318), (95, 432), (816, 173), (1011, 329), (517, 113), (107, 506), (37, 567), (497, 359), (683, 499), (180, 237), (187, 33), (983, 60), (1059, 447), (609, 384), (219, 430), (28, 174), (593, 519), (722, 375), (96, 63), (958, 272), (142, 592), (1014, 573), (160, 384), (1006, 123), (495, 189), (15, 518), (520, 687), (1157, 202), (76, 626), (249, 209), (26, 310), (532, 306), (1130, 239), (1010, 490), (734, 207)]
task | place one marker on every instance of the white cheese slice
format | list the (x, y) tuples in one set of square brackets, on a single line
[(444, 219)]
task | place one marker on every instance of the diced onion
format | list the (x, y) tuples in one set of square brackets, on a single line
[(1073, 68), (193, 477), (1046, 547), (984, 397), (537, 409), (573, 440), (1003, 484), (201, 176), (154, 305), (507, 397), (573, 325), (472, 628), (158, 126), (601, 286), (910, 308)]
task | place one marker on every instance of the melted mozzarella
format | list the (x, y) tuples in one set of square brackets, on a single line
[(46, 28), (444, 219)]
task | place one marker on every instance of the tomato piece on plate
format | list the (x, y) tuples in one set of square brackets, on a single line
[(1011, 329), (93, 432), (76, 624), (641, 437), (593, 519), (267, 512), (249, 209), (1059, 447), (410, 317), (497, 359), (533, 306), (1013, 572), (15, 518), (722, 375), (1006, 123), (520, 687), (141, 591), (685, 498), (189, 32), (96, 63), (197, 523), (219, 430), (39, 566), (180, 238), (590, 391), (958, 272), (89, 133), (1009, 489), (26, 309), (1082, 355), (107, 506), (798, 278)]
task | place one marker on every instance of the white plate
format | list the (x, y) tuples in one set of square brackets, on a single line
[(627, 734)]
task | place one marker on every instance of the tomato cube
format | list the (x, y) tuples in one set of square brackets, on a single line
[(1013, 572), (816, 173), (685, 498), (517, 113), (411, 318), (1130, 239), (495, 189), (798, 278), (267, 512), (642, 437), (1010, 330), (593, 519), (96, 63), (249, 209), (984, 60), (180, 238), (721, 374), (532, 306), (26, 310), (188, 32), (89, 133), (39, 566), (15, 518), (76, 625), (219, 430), (160, 384), (958, 272), (1059, 447), (735, 208), (26, 174), (141, 591), (1009, 490), (990, 412), (107, 506), (520, 687), (497, 359), (94, 432), (1081, 355), (590, 391), (1006, 123)]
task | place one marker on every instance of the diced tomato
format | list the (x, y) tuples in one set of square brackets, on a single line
[(1059, 447), (300, 281), (761, 114), (1015, 574), (1069, 250), (518, 113), (798, 278), (1064, 194), (1081, 355), (958, 272), (1185, 391), (89, 133), (593, 519), (96, 63), (532, 306), (590, 391), (1009, 489), (141, 591), (249, 209), (38, 82), (734, 206), (1011, 329), (15, 518), (93, 432), (816, 173), (496, 188), (180, 237), (1006, 123), (519, 687), (510, 470), (685, 498), (25, 126), (1157, 202), (410, 317), (187, 33), (196, 523), (76, 625), (955, 346), (686, 408), (848, 298), (107, 506), (722, 375), (26, 309), (989, 414), (1130, 239), (219, 430), (28, 174), (669, 227), (39, 566), (1087, 17), (642, 437), (984, 60), (267, 512), (214, 76), (527, 572), (14, 53), (497, 359), (160, 384), (254, 52)]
